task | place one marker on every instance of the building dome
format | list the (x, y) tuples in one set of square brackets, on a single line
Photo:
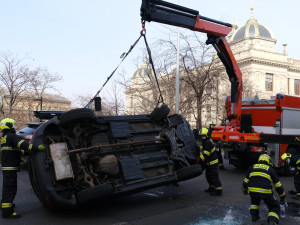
[(252, 29), (143, 71)]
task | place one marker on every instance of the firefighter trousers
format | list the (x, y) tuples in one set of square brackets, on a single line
[(9, 191), (212, 177), (297, 183), (272, 204)]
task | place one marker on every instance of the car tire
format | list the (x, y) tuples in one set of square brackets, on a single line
[(159, 113), (77, 114), (288, 170), (189, 172)]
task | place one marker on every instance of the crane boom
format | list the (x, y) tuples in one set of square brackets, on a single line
[(176, 15)]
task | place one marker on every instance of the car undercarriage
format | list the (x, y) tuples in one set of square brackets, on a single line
[(89, 157)]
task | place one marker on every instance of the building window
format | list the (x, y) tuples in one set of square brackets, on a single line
[(297, 87), (269, 82)]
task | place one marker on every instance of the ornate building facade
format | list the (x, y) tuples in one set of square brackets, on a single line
[(265, 73)]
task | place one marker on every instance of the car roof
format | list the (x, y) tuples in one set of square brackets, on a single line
[(46, 115), (34, 124)]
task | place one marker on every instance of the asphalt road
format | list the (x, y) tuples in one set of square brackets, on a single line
[(186, 204)]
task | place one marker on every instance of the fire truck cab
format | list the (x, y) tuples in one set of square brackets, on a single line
[(277, 120)]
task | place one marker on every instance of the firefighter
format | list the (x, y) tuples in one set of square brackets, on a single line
[(12, 147), (294, 161), (258, 183), (209, 161), (218, 150)]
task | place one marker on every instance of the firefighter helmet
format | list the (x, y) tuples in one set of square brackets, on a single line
[(212, 123), (266, 158), (203, 132), (7, 124), (285, 156)]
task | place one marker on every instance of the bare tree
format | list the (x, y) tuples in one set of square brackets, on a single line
[(13, 76), (40, 79), (198, 75)]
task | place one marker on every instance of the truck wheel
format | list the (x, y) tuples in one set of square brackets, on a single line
[(158, 114), (77, 114), (288, 170)]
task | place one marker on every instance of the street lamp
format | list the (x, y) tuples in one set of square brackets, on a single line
[(41, 100)]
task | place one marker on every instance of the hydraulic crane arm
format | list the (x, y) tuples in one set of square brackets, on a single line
[(172, 14)]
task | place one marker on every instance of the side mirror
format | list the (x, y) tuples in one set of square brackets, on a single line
[(97, 104)]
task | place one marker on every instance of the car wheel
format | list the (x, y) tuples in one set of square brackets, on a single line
[(77, 114), (189, 172), (288, 170), (159, 113)]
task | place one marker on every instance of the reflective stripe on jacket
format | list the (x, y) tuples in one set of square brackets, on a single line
[(209, 155), (12, 147), (259, 180)]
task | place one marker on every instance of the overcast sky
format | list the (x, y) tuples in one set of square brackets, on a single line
[(82, 40)]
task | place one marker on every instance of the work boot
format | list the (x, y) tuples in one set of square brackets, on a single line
[(13, 215), (293, 192), (209, 190), (297, 197), (216, 193), (255, 218)]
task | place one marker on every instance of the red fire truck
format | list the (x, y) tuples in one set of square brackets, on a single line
[(277, 120)]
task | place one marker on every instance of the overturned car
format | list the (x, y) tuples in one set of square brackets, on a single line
[(91, 157)]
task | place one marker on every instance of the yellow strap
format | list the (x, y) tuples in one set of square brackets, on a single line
[(246, 180), (218, 188), (254, 206), (10, 168), (260, 174), (213, 150), (212, 162), (8, 148), (19, 144), (202, 157), (278, 184), (6, 205), (260, 190), (206, 153), (30, 147), (273, 214)]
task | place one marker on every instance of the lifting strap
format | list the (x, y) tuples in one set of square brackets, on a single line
[(143, 33), (123, 56)]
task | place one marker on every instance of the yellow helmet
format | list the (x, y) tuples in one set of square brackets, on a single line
[(7, 124), (266, 158), (203, 132), (285, 156), (212, 123)]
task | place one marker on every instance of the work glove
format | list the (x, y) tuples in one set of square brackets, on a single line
[(40, 148), (282, 200), (245, 191)]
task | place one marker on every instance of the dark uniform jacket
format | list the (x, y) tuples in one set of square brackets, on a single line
[(295, 162), (209, 155), (259, 180), (13, 147)]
